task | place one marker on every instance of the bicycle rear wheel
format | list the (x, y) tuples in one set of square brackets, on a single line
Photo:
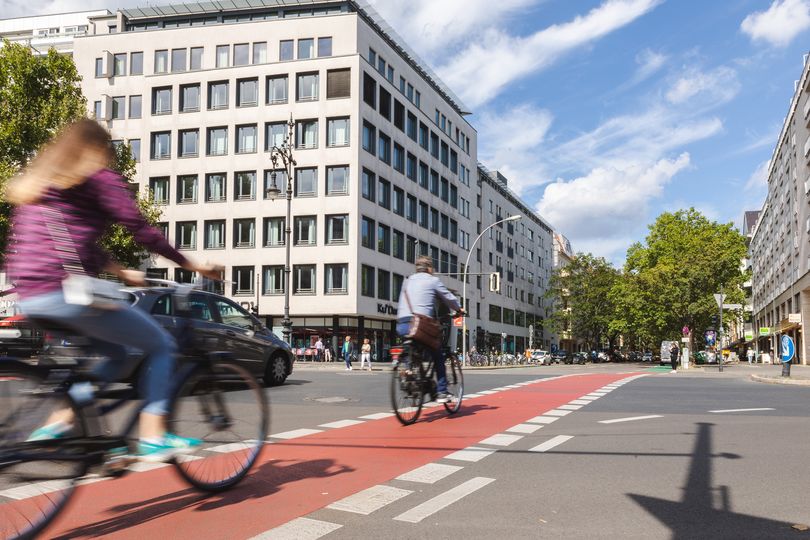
[(455, 384), (406, 392), (37, 478), (225, 408)]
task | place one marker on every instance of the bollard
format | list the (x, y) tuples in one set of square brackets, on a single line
[(786, 368)]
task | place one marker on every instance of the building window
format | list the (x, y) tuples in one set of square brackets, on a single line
[(397, 281), (247, 92), (162, 100), (384, 194), (277, 89), (423, 136), (178, 60), (135, 146), (434, 183), (368, 187), (304, 279), (410, 249), (424, 212), (385, 104), (243, 281), (245, 186), (306, 48), (369, 90), (244, 233), (187, 189), (118, 106), (324, 46), (399, 115), (304, 231), (161, 145), (274, 134), (223, 54), (384, 148), (273, 232), (306, 182), (410, 166), (120, 64), (215, 187), (367, 233), (189, 143), (273, 282), (215, 234), (434, 221), (285, 50), (383, 284), (307, 89), (410, 208), (384, 239), (367, 281), (424, 175), (181, 275), (307, 134), (444, 190), (246, 139), (136, 63), (338, 83), (337, 132), (241, 54), (398, 202), (97, 113), (280, 181), (218, 95), (336, 278), (217, 141), (398, 244), (260, 53), (196, 58), (159, 188), (337, 229), (369, 138), (399, 158), (372, 57), (187, 235), (410, 126), (161, 61), (434, 145), (337, 180), (189, 98)]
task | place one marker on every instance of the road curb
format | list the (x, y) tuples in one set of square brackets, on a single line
[(779, 380)]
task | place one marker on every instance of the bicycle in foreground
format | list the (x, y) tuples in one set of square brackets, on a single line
[(213, 400), (414, 382)]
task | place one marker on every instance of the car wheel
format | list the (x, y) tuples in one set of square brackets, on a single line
[(276, 371)]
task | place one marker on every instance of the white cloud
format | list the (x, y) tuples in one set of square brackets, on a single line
[(718, 85), (780, 23), (758, 181), (496, 58), (609, 204), (648, 62)]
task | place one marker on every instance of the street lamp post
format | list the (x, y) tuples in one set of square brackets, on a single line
[(284, 154), (464, 284)]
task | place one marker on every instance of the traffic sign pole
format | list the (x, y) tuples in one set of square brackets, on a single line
[(787, 353)]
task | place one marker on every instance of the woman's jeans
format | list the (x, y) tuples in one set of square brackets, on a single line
[(111, 331), (403, 327), (347, 357)]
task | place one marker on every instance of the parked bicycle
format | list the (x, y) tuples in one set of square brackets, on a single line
[(214, 401)]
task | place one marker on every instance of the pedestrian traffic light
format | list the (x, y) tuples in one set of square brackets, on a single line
[(715, 321), (494, 282)]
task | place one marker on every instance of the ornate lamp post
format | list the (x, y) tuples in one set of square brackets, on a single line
[(284, 155)]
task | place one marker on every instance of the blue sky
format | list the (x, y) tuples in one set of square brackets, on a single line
[(604, 113)]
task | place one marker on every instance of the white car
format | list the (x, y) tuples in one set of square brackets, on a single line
[(541, 357)]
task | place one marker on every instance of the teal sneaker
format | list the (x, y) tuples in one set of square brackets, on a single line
[(170, 446), (51, 431)]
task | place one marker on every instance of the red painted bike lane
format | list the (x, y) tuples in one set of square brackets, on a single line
[(296, 477)]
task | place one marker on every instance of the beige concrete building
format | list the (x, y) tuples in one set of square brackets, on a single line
[(58, 31), (780, 242)]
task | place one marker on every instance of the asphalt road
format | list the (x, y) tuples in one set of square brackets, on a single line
[(679, 471)]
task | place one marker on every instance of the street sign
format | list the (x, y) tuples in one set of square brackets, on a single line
[(749, 335), (764, 330), (458, 322), (720, 298), (788, 349), (711, 338), (732, 306)]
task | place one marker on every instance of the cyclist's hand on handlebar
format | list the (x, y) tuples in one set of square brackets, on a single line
[(134, 278)]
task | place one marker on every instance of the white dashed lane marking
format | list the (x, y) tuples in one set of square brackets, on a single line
[(551, 443), (371, 499), (579, 402), (630, 419), (299, 529), (294, 434), (720, 411), (471, 454), (569, 407), (442, 501), (525, 428), (377, 416), (558, 412), (341, 424), (430, 473), (542, 420), (501, 439)]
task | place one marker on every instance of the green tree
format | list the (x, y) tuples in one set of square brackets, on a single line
[(672, 276), (585, 306)]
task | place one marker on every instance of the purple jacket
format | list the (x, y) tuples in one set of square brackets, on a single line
[(35, 265)]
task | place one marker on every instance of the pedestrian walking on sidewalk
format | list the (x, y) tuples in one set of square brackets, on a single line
[(674, 350), (327, 352), (319, 350), (348, 348), (365, 354), (750, 355)]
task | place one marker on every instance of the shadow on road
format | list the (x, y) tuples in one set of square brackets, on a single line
[(264, 481), (696, 515)]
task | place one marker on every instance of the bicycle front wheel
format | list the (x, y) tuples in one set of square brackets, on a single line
[(224, 407), (38, 472), (406, 393), (455, 384)]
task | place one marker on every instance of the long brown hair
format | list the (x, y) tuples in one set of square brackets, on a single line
[(63, 162)]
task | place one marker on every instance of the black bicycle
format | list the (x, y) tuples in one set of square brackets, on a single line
[(414, 379), (213, 400)]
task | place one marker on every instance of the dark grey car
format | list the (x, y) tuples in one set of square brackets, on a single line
[(222, 325)]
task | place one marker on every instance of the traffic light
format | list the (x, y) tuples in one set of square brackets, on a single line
[(715, 321), (494, 282)]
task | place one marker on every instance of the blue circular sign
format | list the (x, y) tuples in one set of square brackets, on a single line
[(788, 349)]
